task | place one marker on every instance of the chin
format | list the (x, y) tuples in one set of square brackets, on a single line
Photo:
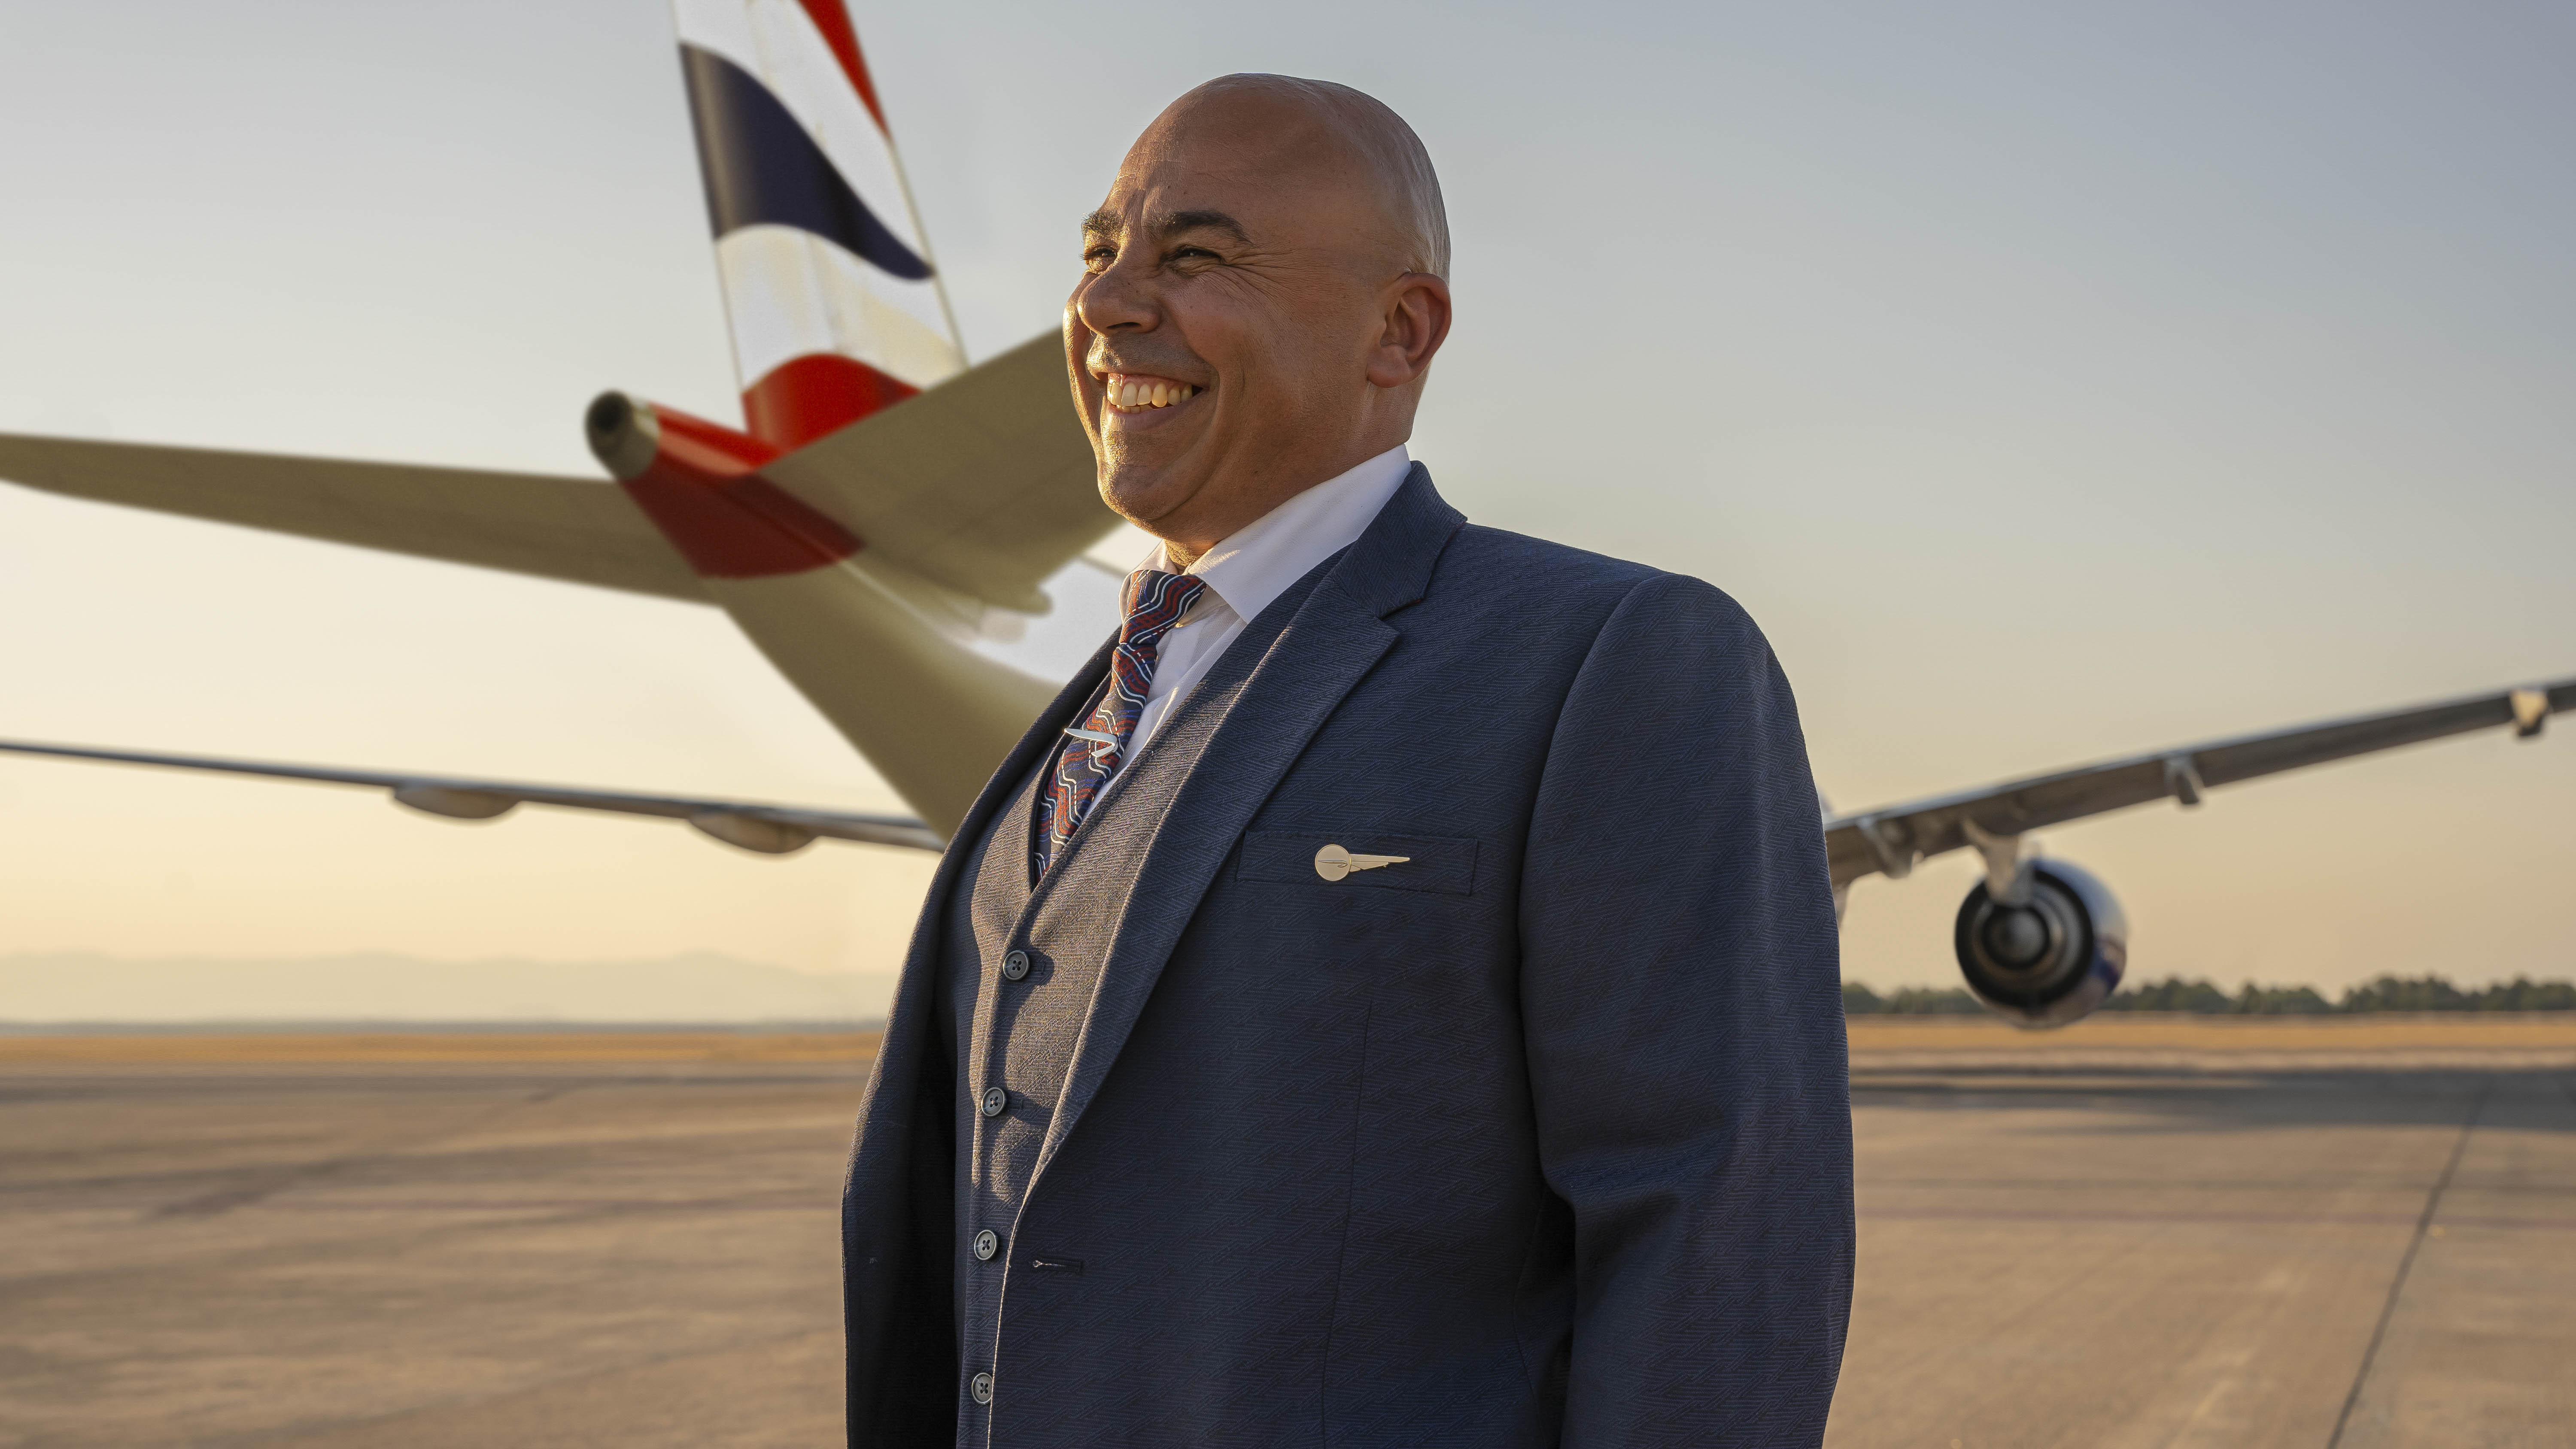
[(1142, 489), (1135, 494)]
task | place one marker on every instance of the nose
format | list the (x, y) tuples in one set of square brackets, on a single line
[(1119, 299)]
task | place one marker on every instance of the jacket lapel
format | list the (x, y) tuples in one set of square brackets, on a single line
[(900, 1056), (882, 1198), (1043, 736), (1247, 722)]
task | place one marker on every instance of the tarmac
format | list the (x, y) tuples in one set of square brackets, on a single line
[(2344, 1234)]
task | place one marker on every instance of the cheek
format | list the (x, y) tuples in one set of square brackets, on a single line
[(1227, 331), (1289, 348)]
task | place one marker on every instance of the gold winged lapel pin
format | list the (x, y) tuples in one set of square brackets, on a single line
[(1332, 862)]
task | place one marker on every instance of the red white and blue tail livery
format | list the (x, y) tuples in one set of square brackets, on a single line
[(837, 311)]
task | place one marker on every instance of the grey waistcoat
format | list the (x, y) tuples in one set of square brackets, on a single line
[(1018, 1035)]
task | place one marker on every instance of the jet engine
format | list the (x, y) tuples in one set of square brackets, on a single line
[(2048, 957)]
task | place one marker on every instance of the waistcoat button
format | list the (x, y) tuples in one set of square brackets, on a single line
[(995, 1099), (981, 1386), (1015, 966), (986, 1245)]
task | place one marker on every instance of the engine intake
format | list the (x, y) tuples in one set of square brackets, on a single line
[(2051, 959)]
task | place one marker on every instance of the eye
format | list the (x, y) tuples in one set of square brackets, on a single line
[(1097, 258)]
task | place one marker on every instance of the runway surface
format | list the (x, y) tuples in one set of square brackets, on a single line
[(2247, 1243), (2154, 1234)]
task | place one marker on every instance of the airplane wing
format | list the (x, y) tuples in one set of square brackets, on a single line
[(984, 483), (1891, 839), (1888, 840), (767, 829), (532, 523)]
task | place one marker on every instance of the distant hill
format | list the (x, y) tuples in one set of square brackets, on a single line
[(701, 986)]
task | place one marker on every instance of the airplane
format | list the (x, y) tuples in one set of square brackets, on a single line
[(885, 511)]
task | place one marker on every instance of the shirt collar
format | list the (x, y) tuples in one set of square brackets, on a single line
[(1257, 562)]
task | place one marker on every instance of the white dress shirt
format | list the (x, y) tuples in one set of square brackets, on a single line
[(1253, 566)]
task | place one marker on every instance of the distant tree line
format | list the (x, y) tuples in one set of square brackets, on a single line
[(2175, 993)]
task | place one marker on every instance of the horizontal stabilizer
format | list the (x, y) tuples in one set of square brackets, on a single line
[(530, 523), (1891, 839), (767, 829), (984, 483)]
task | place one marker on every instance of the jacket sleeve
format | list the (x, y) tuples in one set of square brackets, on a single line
[(1682, 1010)]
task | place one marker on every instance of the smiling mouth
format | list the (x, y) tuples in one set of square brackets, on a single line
[(1130, 393)]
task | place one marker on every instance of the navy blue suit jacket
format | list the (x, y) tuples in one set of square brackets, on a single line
[(1540, 1137)]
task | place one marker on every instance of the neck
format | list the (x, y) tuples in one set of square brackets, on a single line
[(1188, 539)]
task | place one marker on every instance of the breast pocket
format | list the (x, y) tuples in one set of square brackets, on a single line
[(1331, 860)]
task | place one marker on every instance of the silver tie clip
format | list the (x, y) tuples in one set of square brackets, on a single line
[(1332, 862), (1102, 745)]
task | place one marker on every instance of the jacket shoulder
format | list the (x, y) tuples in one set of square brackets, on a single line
[(1499, 560), (1494, 568)]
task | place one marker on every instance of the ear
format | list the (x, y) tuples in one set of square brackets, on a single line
[(1415, 322)]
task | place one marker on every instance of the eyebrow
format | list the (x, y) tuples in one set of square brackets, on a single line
[(1105, 222)]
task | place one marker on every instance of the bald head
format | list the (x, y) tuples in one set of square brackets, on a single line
[(1320, 129), (1263, 290)]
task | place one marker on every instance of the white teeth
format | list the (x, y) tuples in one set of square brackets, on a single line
[(1130, 395)]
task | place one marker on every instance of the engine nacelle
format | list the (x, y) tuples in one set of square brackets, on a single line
[(2051, 959)]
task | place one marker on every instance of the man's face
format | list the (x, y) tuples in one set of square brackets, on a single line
[(1221, 336)]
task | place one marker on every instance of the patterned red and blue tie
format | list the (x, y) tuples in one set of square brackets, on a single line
[(1091, 758)]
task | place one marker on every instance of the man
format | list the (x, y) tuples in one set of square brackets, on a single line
[(1390, 998)]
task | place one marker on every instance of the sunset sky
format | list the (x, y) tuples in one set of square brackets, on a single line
[(2050, 385)]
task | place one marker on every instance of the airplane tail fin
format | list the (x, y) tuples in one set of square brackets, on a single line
[(836, 309)]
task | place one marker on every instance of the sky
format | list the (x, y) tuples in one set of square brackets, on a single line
[(2051, 382)]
